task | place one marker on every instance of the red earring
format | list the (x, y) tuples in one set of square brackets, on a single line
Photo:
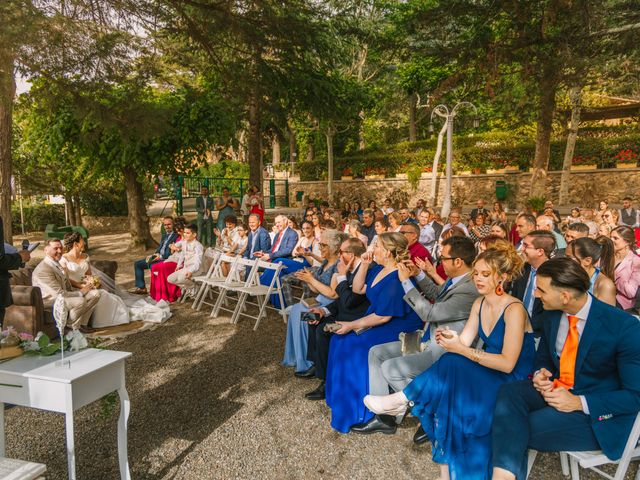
[(499, 289)]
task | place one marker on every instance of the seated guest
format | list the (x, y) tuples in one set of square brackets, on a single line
[(537, 248), (574, 217), (347, 307), (50, 278), (381, 226), (161, 289), (498, 215), (525, 224), (576, 230), (499, 229), (354, 227), (445, 305), (189, 260), (585, 392), (320, 283), (228, 235), (386, 208), (597, 257), (406, 216), (543, 222), (455, 398), (479, 228), (292, 222), (258, 240), (628, 215), (611, 218), (627, 273), (161, 253), (455, 221), (489, 242), (368, 227), (411, 232), (394, 220), (427, 232), (238, 247), (451, 232), (479, 210), (387, 316), (588, 218)]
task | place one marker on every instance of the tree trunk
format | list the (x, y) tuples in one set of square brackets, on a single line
[(76, 204), (361, 142), (7, 93), (254, 153), (413, 114), (138, 220), (71, 212), (433, 194), (574, 94), (311, 153), (275, 149), (330, 132), (546, 108), (292, 144)]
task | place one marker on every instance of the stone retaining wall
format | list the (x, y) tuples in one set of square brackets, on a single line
[(586, 188)]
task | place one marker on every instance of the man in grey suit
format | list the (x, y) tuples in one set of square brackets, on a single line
[(452, 303), (204, 207)]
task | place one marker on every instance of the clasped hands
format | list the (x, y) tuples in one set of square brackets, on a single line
[(448, 339), (559, 398), (304, 275), (411, 268)]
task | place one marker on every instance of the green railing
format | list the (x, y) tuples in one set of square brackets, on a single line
[(275, 191)]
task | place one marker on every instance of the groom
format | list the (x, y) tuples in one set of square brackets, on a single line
[(52, 281)]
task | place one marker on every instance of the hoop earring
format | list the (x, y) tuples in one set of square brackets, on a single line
[(499, 289)]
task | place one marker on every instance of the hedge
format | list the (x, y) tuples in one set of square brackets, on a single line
[(36, 217)]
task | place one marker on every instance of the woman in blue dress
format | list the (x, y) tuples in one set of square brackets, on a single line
[(388, 315), (455, 398), (597, 257), (321, 282)]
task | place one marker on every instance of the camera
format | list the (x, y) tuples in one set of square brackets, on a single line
[(309, 317)]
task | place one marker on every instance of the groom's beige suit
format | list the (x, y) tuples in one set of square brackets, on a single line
[(52, 281)]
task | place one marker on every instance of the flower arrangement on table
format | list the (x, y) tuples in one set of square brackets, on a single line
[(41, 344)]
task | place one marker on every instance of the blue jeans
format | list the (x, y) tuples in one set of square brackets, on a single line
[(140, 266)]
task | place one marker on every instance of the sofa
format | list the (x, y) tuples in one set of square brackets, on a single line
[(28, 314)]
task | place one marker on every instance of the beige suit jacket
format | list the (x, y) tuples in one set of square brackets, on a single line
[(51, 280)]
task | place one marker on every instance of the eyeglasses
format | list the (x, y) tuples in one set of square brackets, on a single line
[(606, 216), (448, 258), (323, 244), (345, 251), (407, 231)]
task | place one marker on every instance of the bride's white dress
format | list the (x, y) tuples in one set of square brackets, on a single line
[(110, 309)]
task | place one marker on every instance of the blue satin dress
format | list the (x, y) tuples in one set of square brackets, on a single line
[(455, 398), (347, 380)]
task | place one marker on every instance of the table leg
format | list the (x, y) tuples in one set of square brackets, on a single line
[(71, 447), (122, 431), (1, 429)]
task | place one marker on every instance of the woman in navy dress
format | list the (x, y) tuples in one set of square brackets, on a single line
[(387, 316), (455, 398)]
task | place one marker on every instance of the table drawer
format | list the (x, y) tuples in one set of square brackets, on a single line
[(14, 389)]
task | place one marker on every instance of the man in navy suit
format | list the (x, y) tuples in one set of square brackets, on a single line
[(8, 261), (283, 243), (161, 253), (585, 400), (258, 240)]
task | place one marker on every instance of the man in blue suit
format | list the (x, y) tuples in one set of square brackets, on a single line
[(283, 243), (585, 392), (161, 253), (258, 240)]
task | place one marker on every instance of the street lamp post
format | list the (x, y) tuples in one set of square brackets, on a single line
[(443, 112)]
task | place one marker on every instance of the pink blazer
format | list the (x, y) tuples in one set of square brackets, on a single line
[(628, 280)]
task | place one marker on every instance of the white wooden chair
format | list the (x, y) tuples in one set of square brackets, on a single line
[(11, 469), (592, 460), (234, 282), (262, 292), (215, 279), (213, 256)]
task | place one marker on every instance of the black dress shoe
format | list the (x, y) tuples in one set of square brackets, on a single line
[(310, 373), (317, 394), (420, 436), (380, 423)]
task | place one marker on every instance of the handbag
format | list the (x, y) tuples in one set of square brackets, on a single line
[(410, 342)]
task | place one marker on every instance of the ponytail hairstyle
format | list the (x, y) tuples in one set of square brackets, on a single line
[(627, 234), (503, 259), (396, 244), (600, 250), (70, 239)]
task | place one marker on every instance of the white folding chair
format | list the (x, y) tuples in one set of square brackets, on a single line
[(234, 281), (212, 255), (564, 462), (217, 277), (262, 292)]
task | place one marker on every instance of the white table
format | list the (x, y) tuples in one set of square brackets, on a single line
[(36, 382)]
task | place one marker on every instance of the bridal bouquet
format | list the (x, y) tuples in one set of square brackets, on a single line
[(92, 280)]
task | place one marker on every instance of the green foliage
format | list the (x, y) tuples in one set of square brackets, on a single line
[(225, 169), (536, 203), (37, 216)]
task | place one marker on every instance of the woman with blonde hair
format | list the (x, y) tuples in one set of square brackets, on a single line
[(395, 219), (455, 398), (388, 315)]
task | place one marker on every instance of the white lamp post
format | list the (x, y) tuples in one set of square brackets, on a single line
[(444, 112)]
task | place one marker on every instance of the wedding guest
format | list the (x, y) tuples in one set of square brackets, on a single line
[(245, 205), (588, 218), (381, 226), (228, 236), (406, 216), (386, 208), (357, 209), (420, 205), (490, 241), (49, 276), (372, 205), (387, 316), (257, 203), (597, 257), (204, 207), (479, 210), (110, 309), (346, 209), (603, 206), (436, 224), (611, 218), (395, 220), (455, 398), (545, 223), (627, 270), (8, 261), (161, 289), (411, 232), (605, 230), (283, 242), (585, 391), (292, 223), (320, 283), (574, 217), (628, 215), (355, 227), (576, 230), (347, 307), (318, 223), (368, 226), (525, 224), (258, 240), (479, 229), (555, 214), (225, 205), (161, 253), (427, 233), (189, 262), (499, 229), (498, 214), (455, 221), (442, 305)]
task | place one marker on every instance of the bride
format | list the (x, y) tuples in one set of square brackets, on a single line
[(115, 306)]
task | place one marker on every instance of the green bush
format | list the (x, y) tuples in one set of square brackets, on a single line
[(105, 203), (36, 217)]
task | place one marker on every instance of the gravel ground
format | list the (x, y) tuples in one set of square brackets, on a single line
[(209, 400)]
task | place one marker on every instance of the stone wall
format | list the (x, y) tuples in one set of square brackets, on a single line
[(586, 188)]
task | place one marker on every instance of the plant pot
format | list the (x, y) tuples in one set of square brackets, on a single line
[(294, 178), (465, 172), (374, 177), (511, 170), (403, 176), (426, 174), (626, 165), (583, 167), (346, 177), (496, 170)]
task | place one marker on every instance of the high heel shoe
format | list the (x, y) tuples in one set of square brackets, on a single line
[(382, 405)]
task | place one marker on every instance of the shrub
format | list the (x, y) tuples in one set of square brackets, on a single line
[(105, 203), (36, 217)]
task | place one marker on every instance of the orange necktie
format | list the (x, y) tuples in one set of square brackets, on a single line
[(568, 356)]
